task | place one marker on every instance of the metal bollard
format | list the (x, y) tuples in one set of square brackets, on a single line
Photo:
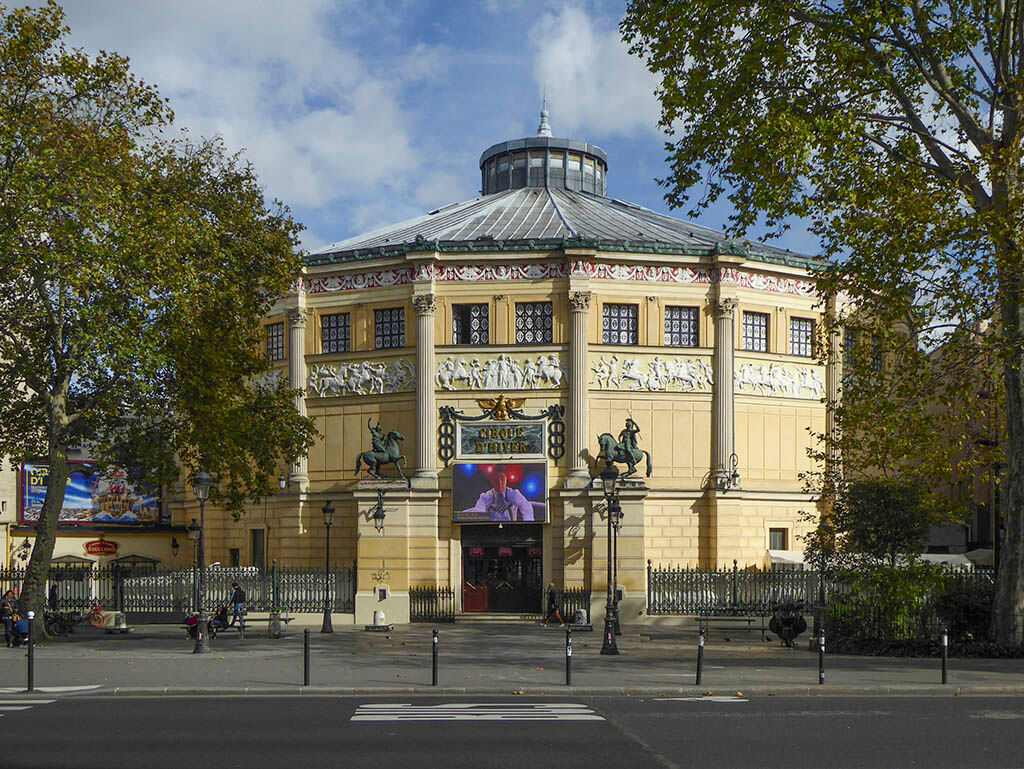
[(433, 679), (821, 658), (31, 654), (568, 657), (305, 657), (945, 653), (700, 656)]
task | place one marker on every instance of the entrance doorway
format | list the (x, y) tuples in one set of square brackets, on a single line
[(502, 569)]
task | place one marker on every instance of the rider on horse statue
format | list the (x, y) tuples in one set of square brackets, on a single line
[(625, 450), (385, 451)]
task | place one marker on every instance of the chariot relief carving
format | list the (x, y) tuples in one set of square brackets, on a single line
[(361, 378), (500, 373)]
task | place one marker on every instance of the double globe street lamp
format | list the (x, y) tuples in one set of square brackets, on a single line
[(609, 476), (201, 485)]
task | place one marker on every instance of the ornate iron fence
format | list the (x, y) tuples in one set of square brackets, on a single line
[(680, 590), (575, 599), (146, 589), (431, 604)]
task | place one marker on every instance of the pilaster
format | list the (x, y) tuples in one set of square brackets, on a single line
[(299, 474), (425, 303), (723, 411), (579, 407)]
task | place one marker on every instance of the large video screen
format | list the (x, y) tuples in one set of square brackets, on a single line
[(500, 492)]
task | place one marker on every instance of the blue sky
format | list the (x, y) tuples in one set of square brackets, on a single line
[(361, 114)]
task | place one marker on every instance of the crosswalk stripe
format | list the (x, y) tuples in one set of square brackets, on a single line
[(474, 712)]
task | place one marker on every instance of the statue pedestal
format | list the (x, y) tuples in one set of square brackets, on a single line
[(404, 552)]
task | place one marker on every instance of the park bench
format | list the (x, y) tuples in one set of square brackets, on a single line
[(704, 621)]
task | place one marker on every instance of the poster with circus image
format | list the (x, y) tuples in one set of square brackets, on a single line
[(93, 496)]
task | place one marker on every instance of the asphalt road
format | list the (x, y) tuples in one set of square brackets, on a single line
[(512, 732)]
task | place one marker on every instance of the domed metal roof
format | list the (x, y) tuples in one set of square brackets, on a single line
[(544, 211)]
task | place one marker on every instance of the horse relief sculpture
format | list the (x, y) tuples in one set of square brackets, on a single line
[(662, 374), (624, 450), (778, 380), (501, 373), (362, 378), (385, 451)]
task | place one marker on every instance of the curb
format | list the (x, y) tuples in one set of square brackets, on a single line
[(909, 690)]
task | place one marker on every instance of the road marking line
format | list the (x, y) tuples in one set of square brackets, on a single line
[(475, 712), (50, 689), (712, 698)]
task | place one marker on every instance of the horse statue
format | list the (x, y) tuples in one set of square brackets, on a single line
[(624, 451), (390, 453)]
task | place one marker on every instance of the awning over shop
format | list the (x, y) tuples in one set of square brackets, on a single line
[(787, 557)]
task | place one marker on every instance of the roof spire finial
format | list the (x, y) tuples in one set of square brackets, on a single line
[(544, 129)]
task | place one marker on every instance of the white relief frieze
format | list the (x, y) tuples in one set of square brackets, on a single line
[(657, 374), (361, 378), (500, 373), (552, 271), (776, 379)]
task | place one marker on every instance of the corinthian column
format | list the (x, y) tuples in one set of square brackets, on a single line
[(833, 384), (579, 407), (723, 413), (299, 475), (426, 419)]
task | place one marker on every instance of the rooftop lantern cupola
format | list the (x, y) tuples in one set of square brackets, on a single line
[(544, 161)]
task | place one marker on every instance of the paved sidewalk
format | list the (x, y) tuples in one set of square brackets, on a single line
[(482, 658)]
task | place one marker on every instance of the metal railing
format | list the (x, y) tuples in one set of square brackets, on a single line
[(575, 599), (147, 589), (430, 603), (686, 591)]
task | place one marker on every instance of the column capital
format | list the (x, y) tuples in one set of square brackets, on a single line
[(579, 301), (425, 304), (724, 308), (296, 317)]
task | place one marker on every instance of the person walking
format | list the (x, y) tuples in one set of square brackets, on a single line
[(7, 607), (554, 605), (238, 606)]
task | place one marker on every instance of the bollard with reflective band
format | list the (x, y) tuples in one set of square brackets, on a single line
[(433, 680), (700, 656), (305, 657), (945, 652), (821, 658), (31, 654), (568, 657)]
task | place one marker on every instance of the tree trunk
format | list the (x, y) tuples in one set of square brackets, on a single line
[(33, 589), (1007, 626)]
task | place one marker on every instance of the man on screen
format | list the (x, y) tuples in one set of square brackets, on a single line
[(503, 503)]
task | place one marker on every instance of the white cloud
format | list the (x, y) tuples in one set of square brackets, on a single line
[(593, 85), (319, 123)]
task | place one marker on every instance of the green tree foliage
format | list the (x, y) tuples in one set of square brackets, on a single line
[(894, 129), (881, 520), (134, 271)]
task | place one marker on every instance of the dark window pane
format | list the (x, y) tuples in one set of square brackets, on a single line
[(619, 324)]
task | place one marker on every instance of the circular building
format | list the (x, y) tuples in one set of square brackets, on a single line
[(499, 345)]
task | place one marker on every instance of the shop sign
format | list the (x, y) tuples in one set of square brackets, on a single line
[(502, 439), (476, 552), (505, 552), (101, 547)]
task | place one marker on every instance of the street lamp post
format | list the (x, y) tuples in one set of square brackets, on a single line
[(201, 489), (193, 535), (327, 627), (615, 511), (608, 478)]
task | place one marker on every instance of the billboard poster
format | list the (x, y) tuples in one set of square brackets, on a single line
[(500, 492), (91, 497)]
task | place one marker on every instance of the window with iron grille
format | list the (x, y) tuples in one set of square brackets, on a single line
[(534, 322), (470, 323), (389, 328), (336, 333), (877, 353), (620, 324), (755, 331), (777, 539), (801, 337), (681, 327), (275, 341), (849, 346)]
